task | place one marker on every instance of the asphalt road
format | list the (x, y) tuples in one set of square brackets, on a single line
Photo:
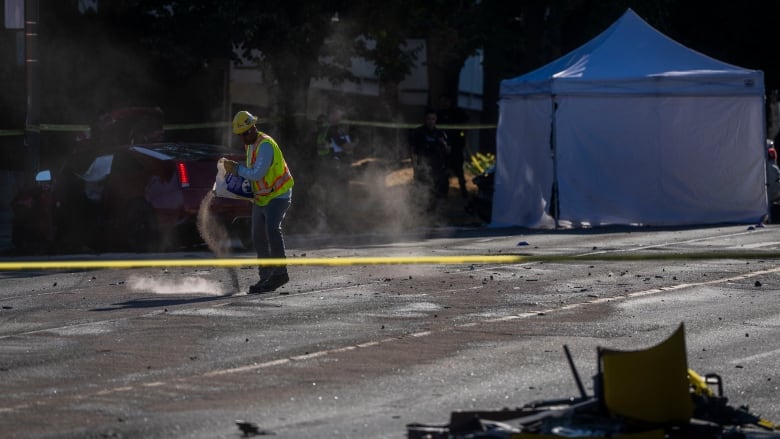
[(363, 350)]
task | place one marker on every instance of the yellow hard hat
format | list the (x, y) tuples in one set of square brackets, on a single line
[(242, 121)]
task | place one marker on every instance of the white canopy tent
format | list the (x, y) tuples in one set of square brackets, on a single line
[(631, 128)]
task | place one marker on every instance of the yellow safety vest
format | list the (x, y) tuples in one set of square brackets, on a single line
[(277, 179), (323, 143)]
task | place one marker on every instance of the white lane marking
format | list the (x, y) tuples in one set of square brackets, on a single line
[(755, 357), (757, 245)]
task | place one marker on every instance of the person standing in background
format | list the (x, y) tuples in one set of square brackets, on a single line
[(449, 114), (340, 140), (428, 147)]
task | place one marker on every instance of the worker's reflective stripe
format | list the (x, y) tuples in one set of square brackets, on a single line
[(264, 189)]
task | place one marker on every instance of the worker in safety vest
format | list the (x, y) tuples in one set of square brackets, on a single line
[(272, 185), (324, 147)]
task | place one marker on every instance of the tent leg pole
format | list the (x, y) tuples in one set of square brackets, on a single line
[(554, 205)]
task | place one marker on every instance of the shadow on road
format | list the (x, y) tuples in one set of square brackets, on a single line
[(157, 303)]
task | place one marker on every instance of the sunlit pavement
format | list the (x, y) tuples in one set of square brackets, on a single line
[(362, 350)]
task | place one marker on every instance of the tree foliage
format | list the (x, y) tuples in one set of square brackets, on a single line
[(453, 31), (137, 49), (450, 30), (283, 38)]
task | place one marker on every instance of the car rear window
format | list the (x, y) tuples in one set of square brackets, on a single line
[(191, 151)]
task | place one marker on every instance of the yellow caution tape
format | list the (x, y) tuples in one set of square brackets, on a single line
[(63, 127), (371, 260), (222, 124), (238, 262), (473, 126), (194, 126)]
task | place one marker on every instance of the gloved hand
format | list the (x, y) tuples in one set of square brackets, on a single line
[(231, 166)]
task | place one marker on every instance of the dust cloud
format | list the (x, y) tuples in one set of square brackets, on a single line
[(217, 238), (379, 197), (215, 235), (189, 285), (375, 192), (393, 200)]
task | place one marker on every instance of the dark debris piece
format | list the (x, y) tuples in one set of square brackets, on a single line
[(251, 429)]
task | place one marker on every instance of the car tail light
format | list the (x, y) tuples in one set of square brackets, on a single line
[(184, 176)]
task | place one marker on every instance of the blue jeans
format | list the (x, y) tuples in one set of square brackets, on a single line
[(267, 233)]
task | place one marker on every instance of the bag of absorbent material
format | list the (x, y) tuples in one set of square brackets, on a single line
[(231, 185)]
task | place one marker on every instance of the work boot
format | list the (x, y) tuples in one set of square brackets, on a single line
[(257, 288), (264, 273), (270, 284)]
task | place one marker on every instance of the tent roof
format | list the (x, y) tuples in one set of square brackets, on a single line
[(633, 57)]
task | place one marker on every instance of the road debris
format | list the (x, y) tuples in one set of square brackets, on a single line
[(646, 394), (252, 429)]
